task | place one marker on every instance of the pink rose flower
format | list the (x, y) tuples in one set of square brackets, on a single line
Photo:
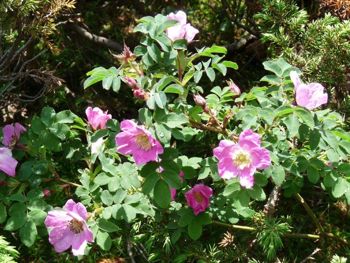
[(97, 118), (182, 30), (173, 190), (198, 198), (138, 142), (242, 159), (12, 133), (68, 228), (309, 96), (7, 162)]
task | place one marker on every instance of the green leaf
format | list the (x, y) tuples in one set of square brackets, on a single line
[(102, 179), (257, 193), (210, 73), (306, 116), (28, 233), (278, 66), (230, 64), (194, 230), (175, 89), (150, 182), (180, 44), (65, 116), (340, 187), (107, 226), (127, 212), (107, 82), (37, 216), (119, 196), (116, 84), (231, 187), (106, 198), (47, 115), (186, 217), (198, 75), (15, 222), (277, 174), (176, 120), (160, 99), (3, 213), (103, 240), (162, 194), (312, 174)]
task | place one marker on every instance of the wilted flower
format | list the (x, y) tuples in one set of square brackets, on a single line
[(126, 56), (182, 30), (97, 118), (310, 95), (234, 88), (243, 158), (68, 228), (198, 198), (138, 142), (12, 133), (7, 162)]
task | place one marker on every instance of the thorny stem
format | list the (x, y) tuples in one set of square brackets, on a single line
[(309, 212), (290, 235)]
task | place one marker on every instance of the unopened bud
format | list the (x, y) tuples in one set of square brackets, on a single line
[(141, 94), (199, 100), (234, 88), (132, 83)]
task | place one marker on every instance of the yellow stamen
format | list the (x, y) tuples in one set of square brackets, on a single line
[(143, 142), (76, 226), (198, 196), (241, 159)]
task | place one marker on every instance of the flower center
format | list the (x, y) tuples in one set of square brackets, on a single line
[(241, 159), (198, 197), (143, 142), (76, 226)]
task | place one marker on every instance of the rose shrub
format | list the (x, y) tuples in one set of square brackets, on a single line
[(220, 152)]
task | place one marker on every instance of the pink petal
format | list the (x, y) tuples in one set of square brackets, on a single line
[(295, 78), (7, 162), (191, 32)]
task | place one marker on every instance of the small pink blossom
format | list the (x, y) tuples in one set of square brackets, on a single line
[(46, 192), (97, 118), (242, 159), (182, 30), (309, 96), (7, 162), (135, 140), (68, 228), (12, 133), (198, 198), (199, 100)]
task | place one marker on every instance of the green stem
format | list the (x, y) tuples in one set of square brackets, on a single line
[(309, 212), (68, 182)]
